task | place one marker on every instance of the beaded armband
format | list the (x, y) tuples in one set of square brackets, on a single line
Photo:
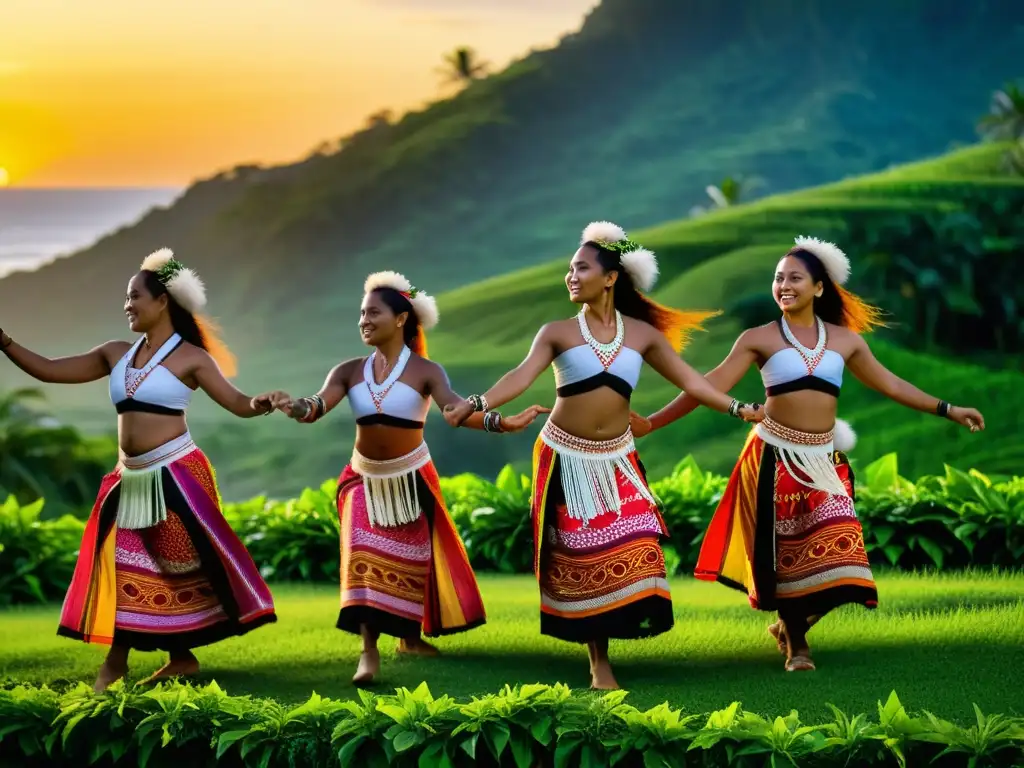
[(492, 422), (479, 403), (315, 409)]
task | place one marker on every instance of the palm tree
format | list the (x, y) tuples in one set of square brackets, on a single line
[(1005, 122), (731, 191), (462, 66)]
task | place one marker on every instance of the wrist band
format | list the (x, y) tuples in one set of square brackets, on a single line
[(479, 403), (942, 409), (315, 409), (492, 422)]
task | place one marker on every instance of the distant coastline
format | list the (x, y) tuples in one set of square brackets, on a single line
[(38, 225)]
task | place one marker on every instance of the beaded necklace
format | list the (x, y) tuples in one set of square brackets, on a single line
[(811, 357), (379, 391), (606, 353)]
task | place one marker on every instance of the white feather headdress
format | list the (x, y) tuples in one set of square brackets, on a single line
[(181, 282), (640, 263), (830, 255), (423, 304)]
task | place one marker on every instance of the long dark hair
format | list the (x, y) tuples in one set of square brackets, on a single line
[(837, 305), (196, 330), (412, 332), (675, 324)]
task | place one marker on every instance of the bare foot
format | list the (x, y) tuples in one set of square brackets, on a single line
[(416, 647), (778, 631), (601, 677), (184, 666), (800, 662), (108, 675), (369, 666)]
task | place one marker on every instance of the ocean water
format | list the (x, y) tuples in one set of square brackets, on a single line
[(38, 225)]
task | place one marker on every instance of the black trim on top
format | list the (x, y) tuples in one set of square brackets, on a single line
[(131, 405), (815, 383), (387, 420), (598, 380)]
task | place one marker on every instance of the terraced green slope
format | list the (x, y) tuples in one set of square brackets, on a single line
[(720, 259), (710, 262)]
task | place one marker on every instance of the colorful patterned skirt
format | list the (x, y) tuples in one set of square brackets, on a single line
[(404, 568), (159, 567), (596, 534), (785, 531)]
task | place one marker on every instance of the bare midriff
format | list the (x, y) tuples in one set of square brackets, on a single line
[(139, 433), (381, 442), (601, 414), (806, 411)]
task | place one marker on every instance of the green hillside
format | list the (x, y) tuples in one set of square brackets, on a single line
[(629, 119), (717, 261)]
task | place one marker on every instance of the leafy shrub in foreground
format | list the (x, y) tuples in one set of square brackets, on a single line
[(525, 726), (955, 520)]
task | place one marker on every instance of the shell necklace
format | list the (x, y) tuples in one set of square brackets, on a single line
[(606, 353), (811, 357), (379, 391)]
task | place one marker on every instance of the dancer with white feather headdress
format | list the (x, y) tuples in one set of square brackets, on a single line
[(404, 569), (596, 525), (785, 531), (159, 568)]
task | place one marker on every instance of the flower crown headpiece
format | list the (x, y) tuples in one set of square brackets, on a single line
[(423, 304), (181, 282), (831, 256), (638, 262)]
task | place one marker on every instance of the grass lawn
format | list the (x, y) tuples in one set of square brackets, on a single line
[(942, 642)]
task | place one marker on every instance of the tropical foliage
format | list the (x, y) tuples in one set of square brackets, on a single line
[(952, 272), (955, 520), (1005, 123), (41, 458), (525, 726)]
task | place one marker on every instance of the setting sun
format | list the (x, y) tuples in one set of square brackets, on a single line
[(4, 177)]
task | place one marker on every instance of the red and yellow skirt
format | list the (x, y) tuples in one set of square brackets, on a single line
[(404, 568), (597, 533), (786, 532), (159, 567)]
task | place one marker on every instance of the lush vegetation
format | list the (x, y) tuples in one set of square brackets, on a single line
[(955, 520), (697, 99), (522, 726), (42, 458)]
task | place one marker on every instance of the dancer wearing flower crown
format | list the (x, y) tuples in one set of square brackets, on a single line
[(785, 531), (159, 568), (596, 526), (404, 568)]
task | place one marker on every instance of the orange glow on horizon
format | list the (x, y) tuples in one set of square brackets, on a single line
[(116, 93)]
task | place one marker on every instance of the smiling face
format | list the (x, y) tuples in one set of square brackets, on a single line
[(378, 322), (142, 308), (794, 288), (587, 279)]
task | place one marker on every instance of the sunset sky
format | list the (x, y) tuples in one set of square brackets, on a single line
[(129, 93)]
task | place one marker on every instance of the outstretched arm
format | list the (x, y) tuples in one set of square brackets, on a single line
[(440, 389), (727, 375), (212, 381), (662, 358), (77, 369), (515, 382), (865, 366), (310, 409)]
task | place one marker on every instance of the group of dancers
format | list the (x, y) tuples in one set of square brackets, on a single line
[(160, 569)]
